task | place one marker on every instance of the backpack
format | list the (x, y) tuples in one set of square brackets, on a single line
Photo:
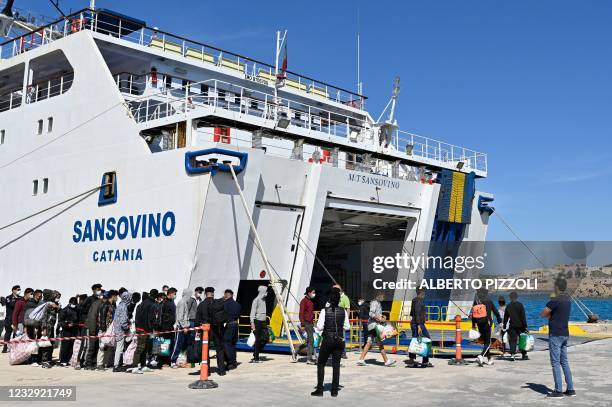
[(217, 312), (34, 316), (479, 310)]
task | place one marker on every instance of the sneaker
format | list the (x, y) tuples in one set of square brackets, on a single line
[(555, 395), (490, 362), (255, 360), (361, 362), (512, 358), (232, 366), (137, 371), (334, 393), (117, 369), (570, 393), (428, 364), (411, 362), (311, 362), (222, 373), (77, 367), (480, 360), (525, 357), (146, 369), (100, 368), (47, 365), (35, 364), (174, 366), (390, 363)]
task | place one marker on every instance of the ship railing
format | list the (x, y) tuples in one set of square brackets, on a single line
[(425, 147), (11, 100), (48, 88), (224, 95), (176, 45)]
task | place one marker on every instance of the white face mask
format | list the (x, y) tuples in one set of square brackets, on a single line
[(72, 306), (198, 295), (312, 295), (360, 302), (57, 300), (98, 292), (18, 292)]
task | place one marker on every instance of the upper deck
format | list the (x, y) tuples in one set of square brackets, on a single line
[(328, 113)]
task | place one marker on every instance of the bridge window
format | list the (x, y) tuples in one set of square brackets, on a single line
[(2, 133), (45, 185), (40, 127), (35, 187), (49, 124), (108, 189)]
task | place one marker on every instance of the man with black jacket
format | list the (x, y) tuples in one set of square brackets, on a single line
[(515, 313), (211, 311), (484, 323), (168, 319), (364, 314), (96, 293), (230, 332), (418, 316), (68, 324), (91, 323), (146, 318), (9, 302)]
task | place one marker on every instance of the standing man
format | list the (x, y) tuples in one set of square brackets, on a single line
[(515, 321), (375, 316), (230, 333), (19, 311), (168, 320), (211, 311), (121, 328), (91, 323), (67, 323), (345, 303), (307, 322), (182, 338), (557, 311), (259, 322), (418, 316), (9, 303), (482, 309)]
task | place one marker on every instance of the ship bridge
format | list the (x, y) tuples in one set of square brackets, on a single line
[(183, 92)]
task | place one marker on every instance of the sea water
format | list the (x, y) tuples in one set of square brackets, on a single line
[(534, 305)]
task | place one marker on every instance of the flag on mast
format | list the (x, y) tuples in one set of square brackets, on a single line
[(282, 75)]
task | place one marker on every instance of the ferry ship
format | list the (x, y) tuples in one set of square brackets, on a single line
[(120, 145)]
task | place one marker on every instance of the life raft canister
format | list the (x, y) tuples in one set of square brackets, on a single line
[(76, 25), (154, 77)]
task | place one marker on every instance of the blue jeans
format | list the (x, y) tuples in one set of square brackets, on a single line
[(557, 348)]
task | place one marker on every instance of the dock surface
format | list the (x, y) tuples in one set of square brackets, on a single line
[(278, 382)]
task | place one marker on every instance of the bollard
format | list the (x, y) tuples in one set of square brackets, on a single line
[(204, 382), (457, 360)]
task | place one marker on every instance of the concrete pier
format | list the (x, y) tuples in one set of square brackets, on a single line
[(278, 382)]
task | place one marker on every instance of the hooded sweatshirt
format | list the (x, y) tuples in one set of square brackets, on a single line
[(122, 319), (258, 308), (182, 309), (50, 317)]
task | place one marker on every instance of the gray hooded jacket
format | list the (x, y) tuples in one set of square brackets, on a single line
[(258, 308), (122, 321), (183, 308)]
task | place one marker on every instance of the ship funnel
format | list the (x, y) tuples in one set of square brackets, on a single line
[(8, 9)]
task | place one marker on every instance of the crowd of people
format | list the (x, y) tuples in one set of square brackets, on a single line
[(123, 331), (150, 330)]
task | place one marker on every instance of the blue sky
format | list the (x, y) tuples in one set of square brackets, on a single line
[(528, 82)]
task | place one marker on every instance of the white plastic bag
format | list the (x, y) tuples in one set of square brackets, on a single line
[(506, 340), (251, 341), (108, 339), (473, 334)]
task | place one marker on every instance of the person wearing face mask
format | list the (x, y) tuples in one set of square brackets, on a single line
[(96, 293), (345, 303), (230, 332), (307, 322), (259, 323), (9, 302), (68, 324)]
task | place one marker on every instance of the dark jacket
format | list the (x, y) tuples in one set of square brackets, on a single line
[(68, 319), (418, 313), (334, 322), (232, 309), (306, 310), (9, 302), (147, 316), (202, 313), (86, 305), (91, 322), (30, 304), (490, 310), (364, 312), (105, 315), (168, 315), (515, 313), (50, 319)]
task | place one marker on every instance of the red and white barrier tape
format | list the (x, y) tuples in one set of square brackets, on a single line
[(81, 337)]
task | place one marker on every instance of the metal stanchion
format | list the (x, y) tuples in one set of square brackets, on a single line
[(457, 360), (204, 382)]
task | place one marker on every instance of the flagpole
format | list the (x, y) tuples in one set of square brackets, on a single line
[(276, 76)]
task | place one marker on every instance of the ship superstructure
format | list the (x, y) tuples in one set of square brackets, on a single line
[(106, 171)]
